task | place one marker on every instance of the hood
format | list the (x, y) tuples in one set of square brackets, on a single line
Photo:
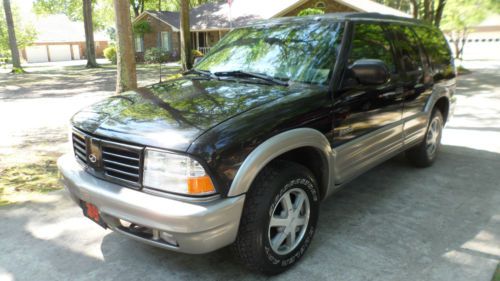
[(173, 114)]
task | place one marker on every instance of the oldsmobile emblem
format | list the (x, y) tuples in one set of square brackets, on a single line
[(92, 158)]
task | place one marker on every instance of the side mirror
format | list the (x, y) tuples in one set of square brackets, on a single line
[(197, 60), (370, 71)]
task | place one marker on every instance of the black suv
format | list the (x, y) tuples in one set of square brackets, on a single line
[(243, 148)]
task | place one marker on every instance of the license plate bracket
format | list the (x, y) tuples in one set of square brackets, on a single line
[(92, 212)]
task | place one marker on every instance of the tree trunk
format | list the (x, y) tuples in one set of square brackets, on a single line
[(185, 36), (126, 73), (439, 12), (415, 7), (16, 61), (89, 34)]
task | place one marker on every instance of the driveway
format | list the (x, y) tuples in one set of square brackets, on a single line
[(393, 223)]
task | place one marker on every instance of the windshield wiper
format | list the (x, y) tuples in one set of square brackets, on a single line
[(205, 73), (241, 73)]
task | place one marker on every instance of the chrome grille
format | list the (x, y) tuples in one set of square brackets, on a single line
[(121, 162), (80, 148)]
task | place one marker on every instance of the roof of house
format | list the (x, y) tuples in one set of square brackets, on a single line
[(214, 16), (58, 28)]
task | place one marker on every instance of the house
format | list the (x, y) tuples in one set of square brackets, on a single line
[(209, 22), (483, 40), (59, 39)]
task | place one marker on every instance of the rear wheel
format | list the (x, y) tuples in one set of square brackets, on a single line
[(279, 218), (424, 154)]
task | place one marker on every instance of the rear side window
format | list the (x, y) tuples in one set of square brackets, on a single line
[(370, 42), (437, 50), (408, 46)]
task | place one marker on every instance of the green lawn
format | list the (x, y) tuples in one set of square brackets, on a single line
[(496, 276)]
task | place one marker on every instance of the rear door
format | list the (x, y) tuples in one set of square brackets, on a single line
[(367, 118)]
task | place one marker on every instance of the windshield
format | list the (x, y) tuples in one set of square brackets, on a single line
[(296, 52)]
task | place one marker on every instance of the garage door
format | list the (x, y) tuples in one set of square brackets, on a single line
[(60, 52), (36, 54)]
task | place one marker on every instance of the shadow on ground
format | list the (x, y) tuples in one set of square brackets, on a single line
[(394, 223)]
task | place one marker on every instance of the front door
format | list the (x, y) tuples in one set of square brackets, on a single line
[(417, 82), (367, 118)]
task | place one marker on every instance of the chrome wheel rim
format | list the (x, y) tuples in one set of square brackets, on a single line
[(289, 221), (432, 139)]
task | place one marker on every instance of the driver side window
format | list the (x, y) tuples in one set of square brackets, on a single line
[(370, 42)]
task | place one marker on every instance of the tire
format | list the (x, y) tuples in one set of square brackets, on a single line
[(267, 199), (425, 154)]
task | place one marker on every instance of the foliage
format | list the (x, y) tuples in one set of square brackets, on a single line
[(102, 10), (196, 53), (310, 11), (156, 55), (25, 33), (461, 15), (430, 11), (141, 27), (37, 177), (110, 54)]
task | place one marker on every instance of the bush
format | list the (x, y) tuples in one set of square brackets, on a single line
[(310, 11), (141, 27), (156, 55), (110, 54), (196, 53)]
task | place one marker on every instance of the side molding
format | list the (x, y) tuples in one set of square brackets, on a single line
[(276, 146)]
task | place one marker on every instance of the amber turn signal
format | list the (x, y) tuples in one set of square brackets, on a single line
[(200, 185)]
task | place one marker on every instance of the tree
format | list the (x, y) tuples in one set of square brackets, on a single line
[(430, 11), (89, 34), (126, 72), (97, 18), (310, 11), (25, 33), (185, 36), (461, 15), (102, 11), (16, 61)]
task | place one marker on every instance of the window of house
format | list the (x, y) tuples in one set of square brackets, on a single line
[(166, 41), (320, 5), (139, 44)]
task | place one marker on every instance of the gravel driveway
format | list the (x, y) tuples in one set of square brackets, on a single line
[(393, 223)]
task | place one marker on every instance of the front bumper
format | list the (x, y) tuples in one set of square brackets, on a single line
[(198, 227)]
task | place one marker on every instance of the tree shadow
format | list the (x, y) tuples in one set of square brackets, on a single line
[(394, 222)]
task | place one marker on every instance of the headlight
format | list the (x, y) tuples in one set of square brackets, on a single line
[(175, 173)]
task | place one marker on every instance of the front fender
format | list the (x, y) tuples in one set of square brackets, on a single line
[(276, 146)]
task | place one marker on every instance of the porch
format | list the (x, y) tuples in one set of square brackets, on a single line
[(204, 40)]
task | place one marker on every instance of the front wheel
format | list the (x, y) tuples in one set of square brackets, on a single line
[(279, 218), (424, 154)]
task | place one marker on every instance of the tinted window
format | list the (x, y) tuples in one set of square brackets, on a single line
[(369, 42), (408, 46), (298, 52), (437, 50)]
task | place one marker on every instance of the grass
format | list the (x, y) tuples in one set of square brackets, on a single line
[(21, 182), (496, 276), (462, 70)]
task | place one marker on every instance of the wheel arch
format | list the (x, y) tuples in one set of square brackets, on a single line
[(302, 145), (443, 104)]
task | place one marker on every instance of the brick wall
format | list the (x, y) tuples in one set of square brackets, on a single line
[(331, 6), (151, 39)]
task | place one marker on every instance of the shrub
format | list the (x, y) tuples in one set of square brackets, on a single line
[(196, 53), (110, 54), (310, 11), (156, 55), (141, 27)]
